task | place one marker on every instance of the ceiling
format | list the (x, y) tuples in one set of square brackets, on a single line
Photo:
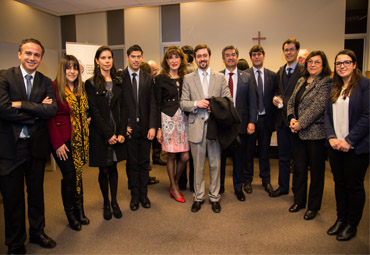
[(68, 7)]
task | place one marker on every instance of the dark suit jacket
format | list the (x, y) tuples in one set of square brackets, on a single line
[(32, 113), (147, 103), (100, 129), (358, 135), (270, 88), (287, 92), (246, 102)]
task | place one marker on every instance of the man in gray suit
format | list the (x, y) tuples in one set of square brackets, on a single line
[(197, 88)]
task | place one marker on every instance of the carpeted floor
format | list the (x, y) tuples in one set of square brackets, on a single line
[(260, 225)]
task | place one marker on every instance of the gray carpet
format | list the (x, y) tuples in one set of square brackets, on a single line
[(260, 225)]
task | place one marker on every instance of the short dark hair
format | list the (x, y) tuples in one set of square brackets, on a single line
[(292, 40), (230, 47), (145, 67), (189, 52), (134, 47), (31, 40), (242, 64), (326, 71), (202, 46), (256, 48)]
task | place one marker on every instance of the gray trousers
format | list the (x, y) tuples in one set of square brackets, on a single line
[(198, 151)]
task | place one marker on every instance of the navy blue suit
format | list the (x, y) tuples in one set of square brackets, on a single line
[(284, 134), (266, 124), (246, 106)]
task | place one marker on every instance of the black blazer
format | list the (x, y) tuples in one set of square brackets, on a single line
[(33, 113), (246, 102), (270, 88), (100, 129), (147, 103), (358, 136), (167, 95), (287, 92)]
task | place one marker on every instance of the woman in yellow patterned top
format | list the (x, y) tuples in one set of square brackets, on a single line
[(69, 136)]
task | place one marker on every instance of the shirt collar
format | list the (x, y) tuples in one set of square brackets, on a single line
[(131, 72), (200, 72), (292, 66), (235, 71), (24, 72), (262, 69)]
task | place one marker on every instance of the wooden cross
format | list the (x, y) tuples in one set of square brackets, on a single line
[(259, 38)]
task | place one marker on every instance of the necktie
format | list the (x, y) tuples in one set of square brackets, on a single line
[(231, 84), (261, 107), (289, 71), (29, 85), (134, 88), (205, 84)]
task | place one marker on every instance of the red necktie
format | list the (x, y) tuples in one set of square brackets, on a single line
[(231, 84)]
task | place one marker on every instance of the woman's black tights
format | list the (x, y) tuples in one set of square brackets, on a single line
[(108, 178)]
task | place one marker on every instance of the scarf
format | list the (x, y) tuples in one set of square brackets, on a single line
[(79, 133)]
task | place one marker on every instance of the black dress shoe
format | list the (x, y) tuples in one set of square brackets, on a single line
[(337, 227), (216, 207), (310, 215), (152, 180), (268, 188), (248, 187), (134, 205), (17, 250), (222, 190), (107, 213), (159, 162), (196, 206), (278, 193), (295, 208), (347, 233), (116, 211), (145, 202), (240, 195), (43, 240)]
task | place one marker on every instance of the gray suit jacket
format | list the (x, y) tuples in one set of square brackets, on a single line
[(192, 91), (311, 107)]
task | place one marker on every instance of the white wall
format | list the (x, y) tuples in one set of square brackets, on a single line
[(92, 28), (19, 21), (317, 24), (142, 27)]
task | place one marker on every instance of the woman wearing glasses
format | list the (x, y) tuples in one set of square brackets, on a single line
[(305, 112), (347, 129)]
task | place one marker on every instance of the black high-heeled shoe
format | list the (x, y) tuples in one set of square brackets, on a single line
[(116, 211), (107, 213)]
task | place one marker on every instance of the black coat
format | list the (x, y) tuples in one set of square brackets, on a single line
[(223, 122), (32, 113), (100, 130)]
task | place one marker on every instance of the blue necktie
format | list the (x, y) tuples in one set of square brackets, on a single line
[(29, 85), (261, 107)]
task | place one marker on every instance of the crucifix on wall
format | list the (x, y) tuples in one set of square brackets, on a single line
[(259, 38)]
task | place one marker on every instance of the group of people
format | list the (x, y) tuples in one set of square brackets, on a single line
[(192, 111)]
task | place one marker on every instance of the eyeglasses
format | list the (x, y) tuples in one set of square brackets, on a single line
[(316, 63), (291, 50), (345, 63)]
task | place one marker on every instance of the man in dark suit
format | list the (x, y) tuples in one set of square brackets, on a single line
[(26, 101), (288, 76), (244, 97), (266, 86), (142, 123)]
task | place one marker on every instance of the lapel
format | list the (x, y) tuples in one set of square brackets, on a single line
[(35, 86), (127, 78), (198, 83), (20, 82), (281, 85), (310, 87), (142, 83), (211, 86), (239, 86), (116, 91)]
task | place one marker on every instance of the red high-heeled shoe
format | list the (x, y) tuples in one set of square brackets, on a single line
[(181, 200)]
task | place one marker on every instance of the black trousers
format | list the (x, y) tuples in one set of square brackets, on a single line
[(309, 153), (137, 165), (156, 150), (263, 135), (67, 167), (12, 189), (349, 170)]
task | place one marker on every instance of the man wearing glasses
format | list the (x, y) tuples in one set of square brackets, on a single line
[(288, 76)]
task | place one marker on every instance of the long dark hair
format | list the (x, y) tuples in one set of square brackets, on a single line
[(61, 81), (99, 80), (174, 50), (326, 71), (338, 81)]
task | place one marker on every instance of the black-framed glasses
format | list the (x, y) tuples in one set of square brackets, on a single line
[(345, 63)]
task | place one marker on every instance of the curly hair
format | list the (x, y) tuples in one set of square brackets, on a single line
[(174, 50)]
